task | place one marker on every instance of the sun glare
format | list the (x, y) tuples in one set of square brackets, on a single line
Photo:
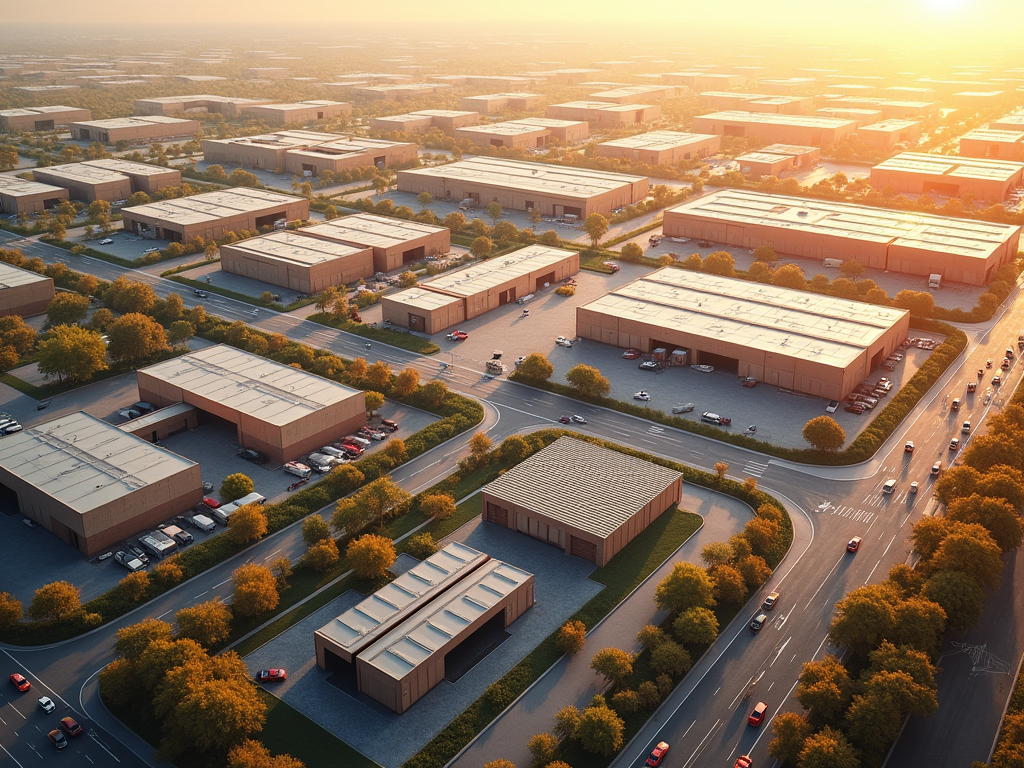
[(946, 6)]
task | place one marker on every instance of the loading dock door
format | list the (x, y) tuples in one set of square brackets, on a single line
[(497, 514), (507, 297), (581, 548), (417, 323), (413, 254), (548, 278)]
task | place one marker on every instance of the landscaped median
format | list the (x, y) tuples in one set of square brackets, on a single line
[(861, 449)]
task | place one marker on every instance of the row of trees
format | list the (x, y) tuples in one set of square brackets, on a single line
[(895, 629)]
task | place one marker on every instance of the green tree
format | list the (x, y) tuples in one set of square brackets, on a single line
[(421, 546), (135, 337), (651, 637), (543, 749), (424, 199), (98, 209), (8, 157), (315, 529), (687, 586), (127, 296), (374, 401), (596, 227), (790, 731), (439, 506), (851, 268), (571, 638), (247, 524), (670, 658), (961, 596), (696, 626), (600, 730), (505, 230), (374, 501), (255, 590), (632, 252), (494, 210), (235, 486), (407, 279), (378, 374), (208, 623), (323, 555), (242, 178), (824, 434), (281, 567), (824, 688), (997, 515), (613, 663), (180, 332), (406, 382), (56, 601), (72, 353), (789, 276), (716, 553), (535, 367), (514, 449), (67, 309), (371, 555), (588, 381), (481, 247), (828, 748), (10, 611)]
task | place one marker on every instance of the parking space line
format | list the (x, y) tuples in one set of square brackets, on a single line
[(12, 756), (11, 704)]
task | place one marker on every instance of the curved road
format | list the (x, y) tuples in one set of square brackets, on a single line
[(705, 718)]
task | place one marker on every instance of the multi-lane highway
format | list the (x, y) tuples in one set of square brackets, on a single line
[(705, 718)]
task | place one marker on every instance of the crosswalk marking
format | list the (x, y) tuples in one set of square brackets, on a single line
[(852, 513), (655, 430), (754, 468)]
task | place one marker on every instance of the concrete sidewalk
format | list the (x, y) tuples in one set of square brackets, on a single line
[(571, 680)]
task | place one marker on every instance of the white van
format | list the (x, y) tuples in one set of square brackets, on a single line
[(250, 498), (203, 523), (889, 487), (297, 469)]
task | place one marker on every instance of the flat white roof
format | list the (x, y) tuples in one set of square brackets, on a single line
[(15, 187), (659, 140), (418, 298), (84, 463), (292, 248), (212, 206), (21, 111), (820, 329), (489, 273), (604, 106), (890, 126), (415, 640), (953, 166), (131, 122), (370, 231), (271, 392), (103, 171), (587, 486), (365, 621), (774, 118), (995, 136), (130, 168), (13, 277), (543, 178)]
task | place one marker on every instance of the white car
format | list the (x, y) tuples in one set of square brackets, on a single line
[(578, 419), (563, 342), (641, 395), (151, 250), (47, 704), (831, 407), (106, 241)]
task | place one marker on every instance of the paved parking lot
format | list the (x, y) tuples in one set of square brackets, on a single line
[(562, 587)]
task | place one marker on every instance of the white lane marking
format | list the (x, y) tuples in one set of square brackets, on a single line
[(781, 649), (12, 756), (11, 705), (701, 745), (165, 613), (843, 557), (200, 595), (872, 572)]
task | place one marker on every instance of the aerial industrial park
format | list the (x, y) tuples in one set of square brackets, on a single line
[(425, 394)]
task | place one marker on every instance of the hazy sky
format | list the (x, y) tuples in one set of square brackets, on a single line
[(914, 23)]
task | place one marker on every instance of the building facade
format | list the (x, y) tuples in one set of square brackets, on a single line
[(661, 147), (23, 293), (948, 175), (303, 264), (36, 119), (816, 131), (134, 130)]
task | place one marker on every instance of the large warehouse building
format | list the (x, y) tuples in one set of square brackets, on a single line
[(229, 106), (661, 147), (19, 197), (395, 242), (298, 112), (528, 133), (819, 345), (278, 410), (961, 250), (92, 484), (135, 130), (948, 175), (553, 190), (425, 119), (307, 152), (212, 214), (32, 119), (401, 641), (604, 114), (460, 295), (885, 135), (111, 179), (776, 128), (990, 143), (776, 159), (22, 292), (500, 102), (585, 499), (298, 263)]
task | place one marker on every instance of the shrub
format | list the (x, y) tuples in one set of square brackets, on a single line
[(421, 546), (571, 637)]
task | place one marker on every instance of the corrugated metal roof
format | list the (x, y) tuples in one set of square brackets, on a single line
[(13, 277), (294, 248), (271, 392), (369, 231), (212, 206), (15, 187), (84, 463), (413, 641), (583, 485), (418, 298), (380, 611)]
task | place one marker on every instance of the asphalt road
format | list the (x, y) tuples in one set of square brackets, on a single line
[(705, 718)]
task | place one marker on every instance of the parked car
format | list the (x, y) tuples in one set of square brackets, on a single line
[(254, 456), (458, 336), (657, 754), (20, 682), (744, 761), (612, 266), (682, 408), (972, 386), (641, 395), (58, 739), (757, 716), (389, 424), (631, 354), (563, 342), (211, 503), (855, 408), (997, 380), (271, 675), (46, 704), (139, 552), (650, 365), (70, 726), (854, 544), (832, 406), (129, 561), (106, 241)]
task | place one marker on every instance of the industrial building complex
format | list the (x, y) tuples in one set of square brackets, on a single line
[(229, 106), (552, 190), (425, 119), (212, 214), (398, 643), (776, 159), (605, 114), (587, 500), (818, 345), (23, 198), (885, 135), (661, 147), (33, 119), (110, 179), (948, 175), (463, 294), (960, 250), (22, 292), (995, 144), (134, 130), (278, 410), (527, 133), (394, 242), (777, 128), (92, 484), (302, 264), (298, 112), (307, 152), (500, 102)]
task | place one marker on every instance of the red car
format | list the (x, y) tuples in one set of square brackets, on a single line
[(658, 754), (271, 676), (744, 761), (631, 354), (458, 336), (757, 716), (211, 503), (854, 544), (20, 682), (612, 266), (71, 726)]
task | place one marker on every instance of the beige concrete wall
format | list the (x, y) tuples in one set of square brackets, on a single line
[(115, 189), (47, 121), (276, 116), (171, 230), (999, 150), (663, 156), (218, 151), (397, 312), (774, 134), (886, 141), (28, 204), (308, 279), (526, 140), (909, 182), (26, 300), (136, 134)]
